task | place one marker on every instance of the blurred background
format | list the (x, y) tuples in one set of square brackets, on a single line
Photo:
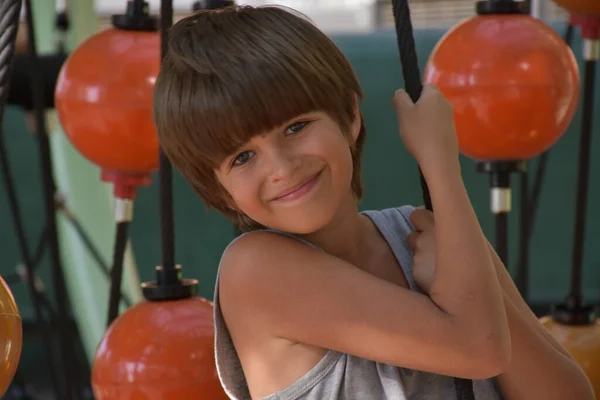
[(364, 30)]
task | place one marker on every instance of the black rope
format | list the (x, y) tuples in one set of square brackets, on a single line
[(49, 188), (414, 87), (575, 298), (116, 274), (9, 22), (522, 273), (91, 248), (166, 170), (9, 25), (501, 236), (410, 68), (35, 259), (87, 242)]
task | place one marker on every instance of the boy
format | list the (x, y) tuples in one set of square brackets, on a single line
[(259, 111)]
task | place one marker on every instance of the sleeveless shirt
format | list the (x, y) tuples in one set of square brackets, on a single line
[(339, 376)]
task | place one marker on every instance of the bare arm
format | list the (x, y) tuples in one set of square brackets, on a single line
[(465, 275), (300, 294), (540, 367)]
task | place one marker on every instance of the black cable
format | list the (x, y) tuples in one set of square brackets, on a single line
[(89, 244), (542, 165), (18, 224), (522, 273), (15, 278), (116, 275), (501, 236), (575, 298), (49, 188), (9, 22), (414, 87), (9, 25), (166, 170), (410, 68)]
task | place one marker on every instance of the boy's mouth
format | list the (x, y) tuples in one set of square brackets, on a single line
[(299, 190)]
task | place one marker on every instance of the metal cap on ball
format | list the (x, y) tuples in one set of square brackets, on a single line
[(137, 17), (211, 4), (495, 7), (169, 285)]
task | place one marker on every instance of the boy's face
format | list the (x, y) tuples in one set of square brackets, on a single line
[(293, 178)]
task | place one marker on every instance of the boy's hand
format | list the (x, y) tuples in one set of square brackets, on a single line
[(422, 243), (427, 127)]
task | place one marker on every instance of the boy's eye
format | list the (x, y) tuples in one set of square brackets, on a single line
[(243, 158), (296, 127)]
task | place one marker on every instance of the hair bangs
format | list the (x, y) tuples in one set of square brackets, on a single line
[(229, 107)]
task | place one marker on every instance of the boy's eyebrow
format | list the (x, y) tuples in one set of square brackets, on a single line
[(284, 125), (296, 118)]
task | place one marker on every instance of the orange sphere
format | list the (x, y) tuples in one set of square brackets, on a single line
[(586, 7), (513, 82), (11, 337), (159, 351), (583, 343), (104, 100)]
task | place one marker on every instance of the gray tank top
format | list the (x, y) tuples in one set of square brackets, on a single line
[(339, 376)]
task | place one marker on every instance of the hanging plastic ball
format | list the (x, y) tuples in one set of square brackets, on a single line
[(586, 7), (11, 337), (583, 343), (104, 103), (513, 82), (159, 350)]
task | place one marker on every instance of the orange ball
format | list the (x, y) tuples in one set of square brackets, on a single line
[(586, 7), (157, 351), (513, 82), (583, 343), (11, 337), (104, 100)]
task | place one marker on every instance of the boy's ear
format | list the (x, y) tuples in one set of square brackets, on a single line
[(357, 120)]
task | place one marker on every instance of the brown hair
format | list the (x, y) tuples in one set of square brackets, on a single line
[(234, 73)]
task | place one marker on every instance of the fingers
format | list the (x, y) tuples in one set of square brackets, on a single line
[(422, 219), (412, 240), (401, 97), (402, 101)]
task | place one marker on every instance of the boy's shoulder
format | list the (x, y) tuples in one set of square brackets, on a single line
[(256, 252), (255, 241), (266, 243)]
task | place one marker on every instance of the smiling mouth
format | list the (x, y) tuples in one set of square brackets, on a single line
[(299, 191)]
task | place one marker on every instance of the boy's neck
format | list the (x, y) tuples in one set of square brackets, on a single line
[(347, 236)]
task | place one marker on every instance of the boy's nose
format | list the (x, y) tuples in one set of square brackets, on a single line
[(283, 164)]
